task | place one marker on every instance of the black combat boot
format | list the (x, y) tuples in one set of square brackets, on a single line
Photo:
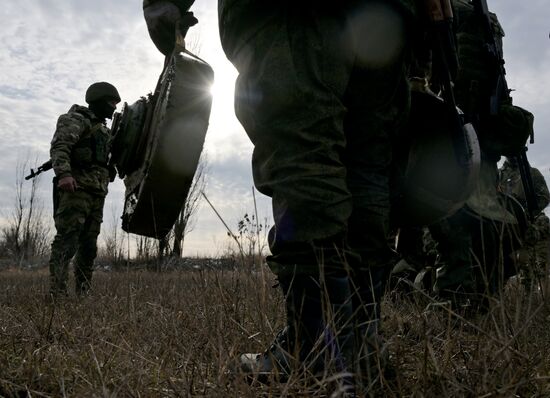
[(340, 333), (58, 281), (82, 286), (83, 271), (292, 346), (319, 336)]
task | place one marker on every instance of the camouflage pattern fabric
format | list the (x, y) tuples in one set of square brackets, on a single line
[(470, 260), (322, 121), (241, 20), (485, 200), (510, 182), (475, 256), (79, 148), (468, 242), (86, 163), (77, 221), (473, 84), (322, 93), (533, 257), (455, 272), (542, 223)]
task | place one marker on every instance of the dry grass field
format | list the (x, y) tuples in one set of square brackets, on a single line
[(178, 333)]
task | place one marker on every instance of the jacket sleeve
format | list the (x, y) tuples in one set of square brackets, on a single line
[(541, 189), (68, 132)]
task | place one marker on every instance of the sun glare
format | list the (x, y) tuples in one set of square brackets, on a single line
[(222, 91)]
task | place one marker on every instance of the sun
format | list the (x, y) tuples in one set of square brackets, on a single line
[(223, 90)]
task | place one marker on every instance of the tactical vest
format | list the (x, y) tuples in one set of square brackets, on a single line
[(92, 148)]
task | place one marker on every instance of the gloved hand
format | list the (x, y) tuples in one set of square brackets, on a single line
[(67, 184), (161, 18)]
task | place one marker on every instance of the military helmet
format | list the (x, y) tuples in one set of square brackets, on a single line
[(101, 90), (437, 163)]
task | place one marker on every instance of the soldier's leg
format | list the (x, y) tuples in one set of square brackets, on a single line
[(69, 219), (87, 248), (319, 336), (378, 102), (288, 97), (491, 253), (62, 249), (410, 245), (540, 252), (455, 277)]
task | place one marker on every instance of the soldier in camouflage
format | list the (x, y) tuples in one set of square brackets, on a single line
[(533, 256), (80, 152), (472, 262), (510, 182), (459, 276)]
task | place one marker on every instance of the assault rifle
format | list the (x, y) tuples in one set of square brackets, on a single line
[(500, 94), (445, 64), (44, 167)]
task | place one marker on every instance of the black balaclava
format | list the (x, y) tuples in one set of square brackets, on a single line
[(102, 109)]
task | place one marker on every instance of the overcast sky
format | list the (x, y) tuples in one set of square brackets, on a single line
[(52, 50)]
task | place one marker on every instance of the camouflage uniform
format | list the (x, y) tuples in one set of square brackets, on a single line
[(322, 105), (472, 258), (79, 148), (459, 235), (510, 182), (533, 257)]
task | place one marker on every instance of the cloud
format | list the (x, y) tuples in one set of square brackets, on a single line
[(51, 50), (61, 47)]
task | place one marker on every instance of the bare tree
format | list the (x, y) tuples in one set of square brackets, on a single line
[(163, 250), (144, 248), (114, 241), (26, 235), (186, 220), (252, 239), (163, 245), (172, 244)]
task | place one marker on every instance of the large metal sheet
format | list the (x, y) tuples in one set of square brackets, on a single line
[(169, 147)]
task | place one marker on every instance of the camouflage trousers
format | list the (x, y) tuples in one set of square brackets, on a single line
[(78, 218), (533, 263), (533, 258), (475, 254), (456, 270), (322, 103)]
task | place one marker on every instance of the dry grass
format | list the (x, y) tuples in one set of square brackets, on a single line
[(147, 334)]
